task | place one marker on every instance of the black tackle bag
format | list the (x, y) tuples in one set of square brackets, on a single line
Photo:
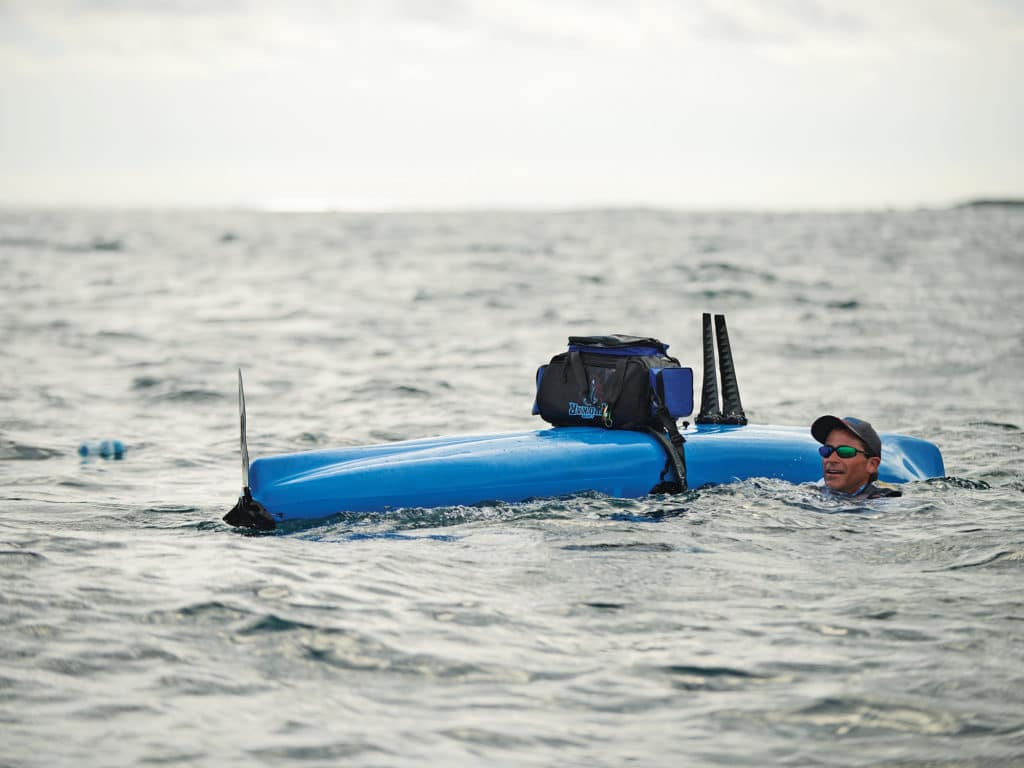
[(616, 382)]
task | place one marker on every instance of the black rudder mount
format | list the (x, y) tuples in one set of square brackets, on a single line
[(247, 513)]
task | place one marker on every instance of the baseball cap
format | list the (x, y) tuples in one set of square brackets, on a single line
[(821, 428)]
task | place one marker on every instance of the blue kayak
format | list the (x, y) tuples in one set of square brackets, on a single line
[(514, 466), (621, 462)]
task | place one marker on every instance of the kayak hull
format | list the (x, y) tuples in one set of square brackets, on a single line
[(515, 466)]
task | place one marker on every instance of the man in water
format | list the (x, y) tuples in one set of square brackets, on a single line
[(850, 454)]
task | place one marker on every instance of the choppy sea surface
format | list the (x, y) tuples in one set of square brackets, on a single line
[(747, 625)]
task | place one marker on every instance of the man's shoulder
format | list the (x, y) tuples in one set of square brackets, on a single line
[(874, 491)]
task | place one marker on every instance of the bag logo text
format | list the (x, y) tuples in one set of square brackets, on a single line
[(591, 407)]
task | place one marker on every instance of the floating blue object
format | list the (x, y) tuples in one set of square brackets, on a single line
[(105, 449)]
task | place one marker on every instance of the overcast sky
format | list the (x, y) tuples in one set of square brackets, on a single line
[(370, 104)]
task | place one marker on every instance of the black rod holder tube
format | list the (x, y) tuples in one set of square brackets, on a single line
[(732, 407), (710, 412)]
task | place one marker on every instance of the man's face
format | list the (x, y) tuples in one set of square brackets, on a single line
[(847, 475)]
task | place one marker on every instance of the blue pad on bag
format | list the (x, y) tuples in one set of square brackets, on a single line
[(675, 388)]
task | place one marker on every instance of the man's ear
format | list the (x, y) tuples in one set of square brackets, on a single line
[(873, 463)]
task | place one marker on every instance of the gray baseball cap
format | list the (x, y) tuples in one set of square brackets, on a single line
[(821, 428)]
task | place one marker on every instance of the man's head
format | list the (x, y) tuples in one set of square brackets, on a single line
[(846, 470)]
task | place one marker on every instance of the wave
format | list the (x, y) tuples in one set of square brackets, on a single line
[(855, 716), (697, 678), (11, 450), (1015, 558)]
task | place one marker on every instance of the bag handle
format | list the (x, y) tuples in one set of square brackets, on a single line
[(579, 371), (612, 397)]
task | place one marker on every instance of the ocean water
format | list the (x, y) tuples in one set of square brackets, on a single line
[(744, 625)]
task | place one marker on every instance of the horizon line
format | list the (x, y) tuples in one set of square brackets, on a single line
[(317, 206)]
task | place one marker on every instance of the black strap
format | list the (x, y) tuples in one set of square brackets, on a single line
[(673, 441), (614, 391), (579, 371)]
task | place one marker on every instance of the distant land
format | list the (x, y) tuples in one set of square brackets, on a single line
[(984, 202)]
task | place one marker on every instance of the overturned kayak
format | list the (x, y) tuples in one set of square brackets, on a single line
[(511, 467)]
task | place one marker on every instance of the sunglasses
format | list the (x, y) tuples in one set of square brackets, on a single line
[(842, 451)]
